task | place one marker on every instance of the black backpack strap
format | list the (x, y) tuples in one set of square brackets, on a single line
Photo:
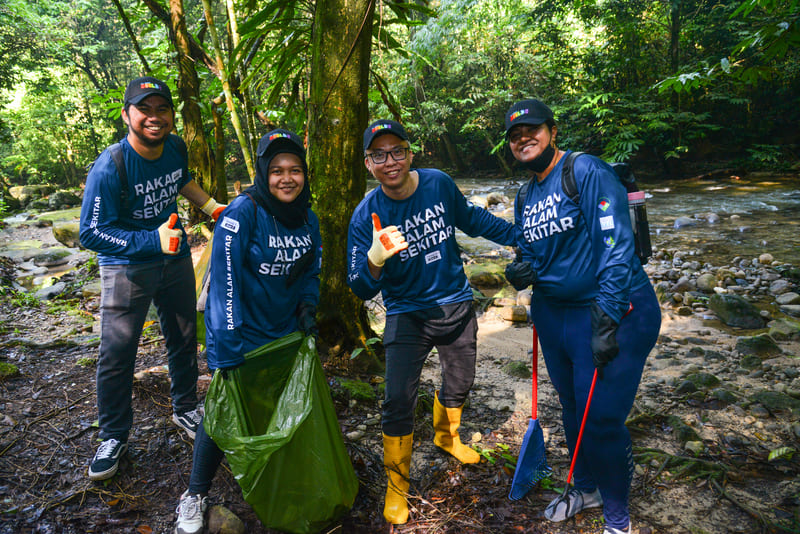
[(568, 184), (119, 160), (182, 148)]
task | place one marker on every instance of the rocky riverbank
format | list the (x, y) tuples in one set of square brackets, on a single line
[(716, 424)]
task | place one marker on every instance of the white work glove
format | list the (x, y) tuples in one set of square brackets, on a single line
[(170, 238), (386, 242), (212, 208)]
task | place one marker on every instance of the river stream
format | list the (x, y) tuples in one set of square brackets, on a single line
[(757, 213)]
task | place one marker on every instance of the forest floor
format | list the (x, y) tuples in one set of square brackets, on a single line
[(48, 437)]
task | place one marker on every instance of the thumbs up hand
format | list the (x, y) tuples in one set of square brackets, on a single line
[(386, 242), (169, 237)]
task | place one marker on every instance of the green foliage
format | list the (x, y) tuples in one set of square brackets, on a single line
[(8, 370), (367, 345), (501, 453), (781, 453), (23, 299)]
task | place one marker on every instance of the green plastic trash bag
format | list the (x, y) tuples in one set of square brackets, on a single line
[(274, 418)]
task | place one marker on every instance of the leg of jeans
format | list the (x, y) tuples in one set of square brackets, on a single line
[(607, 441), (406, 352), (457, 354), (125, 298), (559, 338), (205, 461), (175, 301)]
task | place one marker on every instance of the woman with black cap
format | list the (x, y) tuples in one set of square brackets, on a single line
[(592, 305), (265, 260)]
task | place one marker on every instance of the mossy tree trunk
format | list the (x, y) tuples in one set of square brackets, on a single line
[(337, 116)]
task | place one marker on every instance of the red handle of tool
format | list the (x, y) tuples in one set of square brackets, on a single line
[(174, 242), (580, 432), (535, 375)]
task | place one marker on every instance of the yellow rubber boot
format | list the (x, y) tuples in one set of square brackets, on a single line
[(446, 422), (397, 463)]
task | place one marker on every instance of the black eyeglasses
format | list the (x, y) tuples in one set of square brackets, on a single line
[(398, 154)]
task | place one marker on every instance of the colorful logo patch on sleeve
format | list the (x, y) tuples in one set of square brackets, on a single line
[(609, 241), (604, 204)]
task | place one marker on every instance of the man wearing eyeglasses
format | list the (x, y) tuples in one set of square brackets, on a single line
[(402, 243)]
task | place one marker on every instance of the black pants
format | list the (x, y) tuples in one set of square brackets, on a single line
[(408, 339)]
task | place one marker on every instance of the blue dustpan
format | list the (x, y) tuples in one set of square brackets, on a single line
[(531, 464)]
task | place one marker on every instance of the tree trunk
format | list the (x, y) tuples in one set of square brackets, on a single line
[(134, 41), (452, 152), (200, 157), (337, 116), (219, 142)]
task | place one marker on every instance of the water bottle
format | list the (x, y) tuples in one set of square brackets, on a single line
[(641, 228)]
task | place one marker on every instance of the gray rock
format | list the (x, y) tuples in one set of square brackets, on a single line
[(67, 233), (494, 198), (724, 396), (706, 282), (524, 297), (48, 293), (734, 310), (790, 297), (780, 286), (776, 402), (761, 345), (516, 314), (703, 380), (683, 222), (52, 257), (784, 329), (223, 521), (62, 200), (695, 447), (517, 369), (793, 310), (681, 430)]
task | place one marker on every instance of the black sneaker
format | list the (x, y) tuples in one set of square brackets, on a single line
[(188, 421), (106, 459)]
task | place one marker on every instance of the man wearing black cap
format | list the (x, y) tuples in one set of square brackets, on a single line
[(402, 243), (130, 196)]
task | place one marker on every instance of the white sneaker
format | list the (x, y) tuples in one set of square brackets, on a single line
[(191, 512), (572, 502), (611, 530)]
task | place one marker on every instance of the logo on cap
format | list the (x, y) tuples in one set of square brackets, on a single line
[(279, 134), (149, 85), (517, 114), (380, 127)]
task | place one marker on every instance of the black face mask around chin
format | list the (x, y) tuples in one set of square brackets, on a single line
[(542, 161)]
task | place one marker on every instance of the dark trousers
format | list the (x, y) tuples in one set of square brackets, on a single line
[(127, 291), (205, 461), (605, 458), (408, 339)]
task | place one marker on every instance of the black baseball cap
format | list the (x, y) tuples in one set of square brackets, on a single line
[(280, 141), (531, 112), (381, 127), (141, 88)]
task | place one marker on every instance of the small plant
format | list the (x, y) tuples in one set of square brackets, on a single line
[(501, 452), (781, 453), (23, 299), (86, 362), (367, 345)]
